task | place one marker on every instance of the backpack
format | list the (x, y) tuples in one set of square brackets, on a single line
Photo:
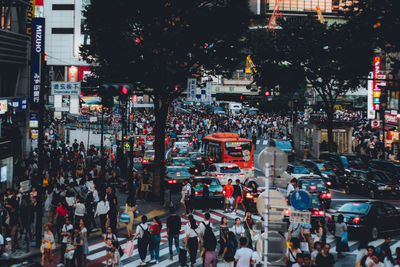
[(146, 236), (211, 239), (230, 252)]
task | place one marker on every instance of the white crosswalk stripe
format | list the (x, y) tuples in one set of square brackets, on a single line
[(97, 251)]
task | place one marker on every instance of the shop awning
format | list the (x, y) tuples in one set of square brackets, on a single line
[(387, 127)]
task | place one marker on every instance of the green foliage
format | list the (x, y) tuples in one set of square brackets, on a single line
[(162, 43)]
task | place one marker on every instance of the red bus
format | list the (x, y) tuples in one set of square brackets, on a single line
[(229, 148)]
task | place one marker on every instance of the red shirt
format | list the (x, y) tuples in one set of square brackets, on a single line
[(228, 190), (155, 229), (61, 211)]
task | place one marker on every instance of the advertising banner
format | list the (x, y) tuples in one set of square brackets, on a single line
[(37, 54), (370, 98), (191, 89), (3, 106)]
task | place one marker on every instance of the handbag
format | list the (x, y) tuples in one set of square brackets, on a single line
[(344, 237), (69, 255), (124, 218), (128, 250)]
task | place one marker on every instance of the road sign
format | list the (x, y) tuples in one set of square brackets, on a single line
[(84, 111), (300, 200), (276, 246), (300, 217), (274, 157), (277, 204)]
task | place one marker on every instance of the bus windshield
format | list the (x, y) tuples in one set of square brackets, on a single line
[(237, 148)]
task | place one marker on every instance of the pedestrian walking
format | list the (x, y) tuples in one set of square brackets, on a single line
[(130, 208), (143, 237), (78, 243), (292, 251), (238, 194), (223, 234), (325, 258), (248, 224), (154, 248), (174, 225), (243, 254), (228, 188), (84, 234), (362, 251), (340, 230), (48, 244), (229, 252), (238, 230), (209, 247), (102, 210), (80, 210), (192, 239), (66, 233)]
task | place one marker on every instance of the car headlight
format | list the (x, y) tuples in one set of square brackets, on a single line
[(382, 187), (325, 175)]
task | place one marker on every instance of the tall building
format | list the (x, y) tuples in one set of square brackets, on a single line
[(64, 35)]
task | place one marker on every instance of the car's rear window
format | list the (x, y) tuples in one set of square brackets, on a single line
[(283, 144), (312, 184), (230, 169), (300, 170), (358, 208), (211, 182)]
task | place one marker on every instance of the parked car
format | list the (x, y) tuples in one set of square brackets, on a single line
[(373, 183), (225, 171), (389, 167), (174, 176), (323, 169), (216, 196), (367, 218), (316, 186)]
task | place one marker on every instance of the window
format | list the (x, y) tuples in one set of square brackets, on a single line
[(389, 209), (63, 7), (62, 30)]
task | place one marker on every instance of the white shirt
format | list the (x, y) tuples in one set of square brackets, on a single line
[(65, 229), (80, 209), (190, 232), (360, 254), (188, 189), (102, 207), (70, 201), (237, 230), (96, 195), (141, 228), (290, 189), (256, 257), (243, 257), (1, 240)]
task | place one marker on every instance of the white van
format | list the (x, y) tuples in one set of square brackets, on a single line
[(235, 108)]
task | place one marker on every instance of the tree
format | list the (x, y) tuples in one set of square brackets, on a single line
[(332, 59), (161, 43)]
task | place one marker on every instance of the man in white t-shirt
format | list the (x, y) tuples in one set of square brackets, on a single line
[(66, 231), (243, 256)]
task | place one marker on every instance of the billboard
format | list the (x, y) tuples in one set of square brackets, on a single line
[(37, 55)]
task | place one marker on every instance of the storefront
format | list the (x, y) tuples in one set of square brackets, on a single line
[(6, 164)]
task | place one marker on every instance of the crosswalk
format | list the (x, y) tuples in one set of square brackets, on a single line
[(97, 251)]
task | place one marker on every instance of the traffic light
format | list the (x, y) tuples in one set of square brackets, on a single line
[(241, 98), (108, 91), (267, 93)]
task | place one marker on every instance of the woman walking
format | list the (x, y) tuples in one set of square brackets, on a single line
[(248, 228), (101, 210), (130, 208), (238, 229), (85, 241), (142, 240), (223, 232), (340, 228), (192, 239), (230, 249), (78, 242), (49, 245), (210, 246), (155, 231)]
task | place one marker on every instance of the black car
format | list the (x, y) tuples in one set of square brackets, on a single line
[(318, 187), (335, 160), (316, 208), (216, 194), (323, 169), (389, 167), (372, 183), (352, 161), (367, 218)]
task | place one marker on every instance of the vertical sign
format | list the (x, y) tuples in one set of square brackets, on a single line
[(370, 98), (73, 74), (37, 55), (208, 92), (191, 89), (30, 14), (375, 88)]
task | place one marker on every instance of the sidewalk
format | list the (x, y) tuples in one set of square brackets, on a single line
[(150, 209)]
